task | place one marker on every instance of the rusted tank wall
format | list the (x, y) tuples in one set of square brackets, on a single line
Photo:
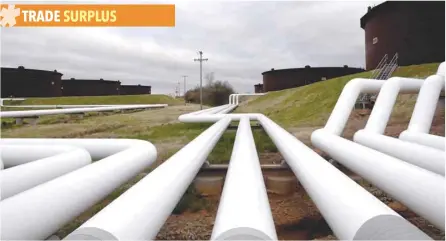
[(289, 78), (82, 87), (413, 29), (258, 88), (21, 82), (135, 90)]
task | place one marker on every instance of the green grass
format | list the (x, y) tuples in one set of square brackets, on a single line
[(312, 104), (112, 99)]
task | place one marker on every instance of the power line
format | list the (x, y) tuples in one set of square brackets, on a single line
[(201, 77)]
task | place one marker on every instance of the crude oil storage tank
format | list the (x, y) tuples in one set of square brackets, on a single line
[(289, 78), (85, 87), (135, 90), (21, 82), (258, 88), (413, 29)]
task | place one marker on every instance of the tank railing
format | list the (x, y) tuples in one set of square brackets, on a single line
[(39, 212), (378, 67)]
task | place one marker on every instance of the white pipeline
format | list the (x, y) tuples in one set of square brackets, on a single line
[(423, 114), (33, 113), (23, 177), (139, 213), (419, 189), (244, 212), (350, 211), (372, 135), (39, 212)]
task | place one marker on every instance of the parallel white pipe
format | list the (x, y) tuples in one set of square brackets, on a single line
[(372, 135), (244, 212), (215, 117), (350, 211), (424, 111), (18, 154), (419, 189), (139, 213), (23, 177), (424, 139), (39, 212), (346, 102), (426, 157), (63, 106), (32, 113)]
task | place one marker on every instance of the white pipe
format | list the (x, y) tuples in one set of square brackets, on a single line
[(419, 189), (386, 99), (14, 155), (372, 135), (39, 212), (231, 96), (244, 212), (32, 113), (424, 111), (63, 106), (238, 95), (441, 69), (26, 176), (139, 213), (424, 139), (346, 102), (350, 211), (423, 156), (215, 117)]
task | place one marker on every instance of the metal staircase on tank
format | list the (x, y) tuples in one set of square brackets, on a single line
[(383, 71)]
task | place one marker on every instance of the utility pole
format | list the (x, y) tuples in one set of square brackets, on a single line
[(184, 90), (201, 77)]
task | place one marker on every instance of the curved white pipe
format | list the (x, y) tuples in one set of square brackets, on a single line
[(347, 207), (346, 102), (238, 95), (26, 176), (139, 213), (419, 189), (32, 113), (372, 135), (386, 99), (39, 212), (244, 212), (424, 111), (18, 154)]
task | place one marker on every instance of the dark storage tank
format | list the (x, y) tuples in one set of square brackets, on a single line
[(21, 82), (289, 78), (135, 90), (85, 87), (414, 30), (258, 88)]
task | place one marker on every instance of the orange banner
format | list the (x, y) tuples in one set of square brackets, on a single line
[(87, 15)]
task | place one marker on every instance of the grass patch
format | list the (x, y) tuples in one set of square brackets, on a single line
[(311, 105), (98, 100)]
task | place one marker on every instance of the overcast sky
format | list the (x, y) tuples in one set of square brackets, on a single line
[(241, 40)]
